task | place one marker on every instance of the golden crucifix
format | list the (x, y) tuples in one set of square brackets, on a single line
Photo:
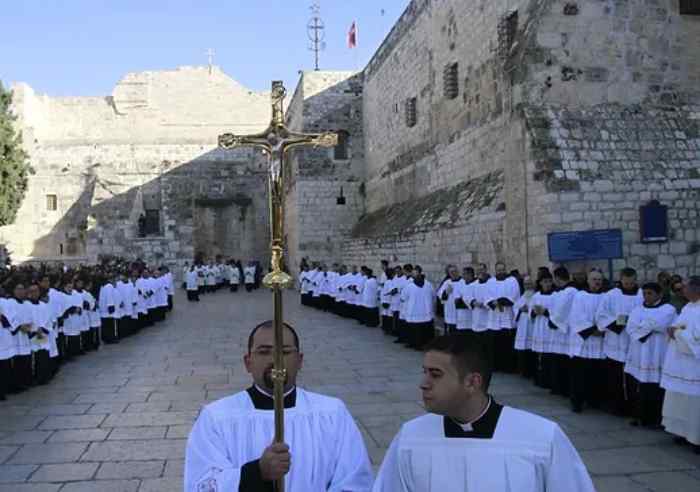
[(275, 142)]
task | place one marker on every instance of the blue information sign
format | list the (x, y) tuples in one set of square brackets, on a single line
[(603, 244)]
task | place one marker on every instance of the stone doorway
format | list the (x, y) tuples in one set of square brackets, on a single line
[(224, 226)]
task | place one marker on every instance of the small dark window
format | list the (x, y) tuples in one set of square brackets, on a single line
[(690, 7), (507, 29), (60, 249), (450, 80), (340, 151), (51, 202), (152, 223), (411, 112)]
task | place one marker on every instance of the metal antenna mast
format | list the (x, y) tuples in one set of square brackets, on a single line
[(316, 31)]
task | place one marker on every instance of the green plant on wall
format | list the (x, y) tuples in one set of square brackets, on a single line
[(14, 164)]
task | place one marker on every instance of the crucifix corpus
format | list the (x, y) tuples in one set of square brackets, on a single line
[(275, 142)]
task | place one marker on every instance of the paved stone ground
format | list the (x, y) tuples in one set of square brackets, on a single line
[(117, 420)]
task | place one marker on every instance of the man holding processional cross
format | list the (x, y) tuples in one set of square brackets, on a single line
[(238, 442)]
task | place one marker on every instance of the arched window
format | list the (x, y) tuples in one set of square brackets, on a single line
[(340, 151)]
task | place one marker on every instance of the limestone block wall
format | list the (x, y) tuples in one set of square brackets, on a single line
[(462, 224), (594, 168), (603, 59), (316, 224), (151, 144)]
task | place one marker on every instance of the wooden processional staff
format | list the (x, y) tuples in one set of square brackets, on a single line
[(275, 142)]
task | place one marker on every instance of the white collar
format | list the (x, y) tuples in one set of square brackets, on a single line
[(468, 426), (271, 396)]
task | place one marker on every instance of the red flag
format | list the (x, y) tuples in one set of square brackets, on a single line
[(352, 36)]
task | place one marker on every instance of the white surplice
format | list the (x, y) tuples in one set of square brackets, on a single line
[(465, 292), (681, 377), (615, 309), (501, 317), (646, 328), (481, 292), (328, 453), (581, 317), (523, 323), (527, 453), (448, 293)]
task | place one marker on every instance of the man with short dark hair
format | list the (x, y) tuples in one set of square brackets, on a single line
[(469, 442), (229, 448)]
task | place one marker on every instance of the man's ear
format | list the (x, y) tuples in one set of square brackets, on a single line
[(247, 362)]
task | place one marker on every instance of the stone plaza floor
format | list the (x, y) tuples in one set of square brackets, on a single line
[(117, 420)]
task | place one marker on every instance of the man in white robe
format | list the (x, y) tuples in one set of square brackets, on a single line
[(587, 369), (385, 302), (401, 327), (612, 315), (527, 362), (463, 299), (447, 294), (470, 443), (419, 308), (502, 293), (249, 277), (234, 277), (230, 446), (681, 372), (647, 328), (7, 350), (191, 284), (369, 299), (560, 363)]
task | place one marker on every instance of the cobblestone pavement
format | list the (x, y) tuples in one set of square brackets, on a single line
[(117, 420)]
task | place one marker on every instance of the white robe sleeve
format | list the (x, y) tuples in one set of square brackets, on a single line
[(389, 478), (353, 471), (561, 310), (207, 466), (566, 471), (688, 339), (606, 314)]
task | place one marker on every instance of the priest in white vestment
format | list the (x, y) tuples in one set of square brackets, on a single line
[(647, 328), (447, 294), (681, 372), (587, 369), (230, 446), (469, 442), (612, 316)]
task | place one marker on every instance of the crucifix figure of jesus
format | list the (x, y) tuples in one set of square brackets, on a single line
[(276, 141)]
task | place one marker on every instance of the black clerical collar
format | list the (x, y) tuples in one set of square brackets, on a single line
[(658, 304), (484, 280), (263, 401), (483, 427), (630, 292), (501, 277), (543, 293)]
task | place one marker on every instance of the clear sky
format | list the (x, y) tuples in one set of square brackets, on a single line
[(84, 47)]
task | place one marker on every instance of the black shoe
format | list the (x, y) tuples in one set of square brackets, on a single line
[(398, 341), (576, 407), (635, 423)]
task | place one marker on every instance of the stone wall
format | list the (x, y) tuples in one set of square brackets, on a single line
[(316, 224), (593, 169), (631, 65), (151, 144)]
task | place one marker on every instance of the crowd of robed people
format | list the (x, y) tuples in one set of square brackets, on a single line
[(206, 277), (627, 348), (52, 314)]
